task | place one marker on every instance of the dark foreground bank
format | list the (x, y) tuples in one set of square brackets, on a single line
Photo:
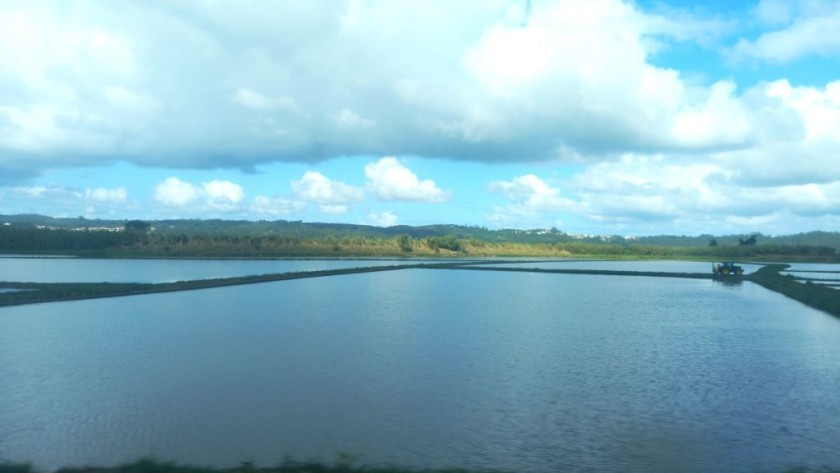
[(289, 466), (344, 465)]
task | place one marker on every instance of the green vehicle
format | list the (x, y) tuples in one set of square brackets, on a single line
[(727, 268)]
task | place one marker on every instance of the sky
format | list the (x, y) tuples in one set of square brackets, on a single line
[(624, 117)]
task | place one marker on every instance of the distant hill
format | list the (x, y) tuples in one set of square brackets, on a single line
[(304, 230)]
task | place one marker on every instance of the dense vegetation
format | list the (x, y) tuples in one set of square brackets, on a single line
[(264, 239)]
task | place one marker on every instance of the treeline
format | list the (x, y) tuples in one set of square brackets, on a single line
[(222, 238), (767, 251), (140, 241), (314, 230), (27, 239)]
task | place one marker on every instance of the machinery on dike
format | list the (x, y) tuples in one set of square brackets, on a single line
[(727, 268)]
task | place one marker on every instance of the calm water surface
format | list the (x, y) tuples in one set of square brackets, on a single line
[(429, 368), (160, 270), (818, 273), (653, 266)]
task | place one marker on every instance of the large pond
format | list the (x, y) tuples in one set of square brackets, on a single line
[(62, 269), (22, 269), (667, 266), (428, 368)]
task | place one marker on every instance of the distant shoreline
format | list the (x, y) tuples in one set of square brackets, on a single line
[(39, 235)]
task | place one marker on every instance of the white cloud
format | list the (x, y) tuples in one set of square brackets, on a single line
[(818, 110), (62, 200), (258, 102), (581, 69), (101, 194), (655, 194), (315, 187), (176, 193), (133, 102), (721, 119), (216, 195), (796, 137), (386, 218), (223, 196), (333, 209), (485, 80), (224, 191), (388, 179), (481, 81), (529, 199), (348, 119), (276, 206), (98, 194), (812, 32), (774, 12), (531, 191)]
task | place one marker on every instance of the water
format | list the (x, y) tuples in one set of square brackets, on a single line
[(816, 273), (428, 368), (20, 269), (814, 267), (667, 266)]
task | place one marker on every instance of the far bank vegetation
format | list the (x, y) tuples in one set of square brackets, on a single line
[(243, 239)]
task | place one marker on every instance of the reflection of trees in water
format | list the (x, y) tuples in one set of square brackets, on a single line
[(729, 281)]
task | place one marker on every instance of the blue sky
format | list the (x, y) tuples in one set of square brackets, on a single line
[(592, 116)]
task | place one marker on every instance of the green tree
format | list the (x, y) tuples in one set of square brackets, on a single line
[(137, 226), (136, 231), (405, 243)]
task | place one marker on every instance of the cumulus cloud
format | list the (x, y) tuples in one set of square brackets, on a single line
[(101, 194), (812, 30), (63, 200), (532, 191), (388, 179), (487, 81), (348, 120), (315, 187), (276, 206), (176, 193), (258, 102), (529, 198), (647, 192), (90, 84), (385, 218), (223, 195), (98, 194), (333, 196), (216, 195), (798, 139), (774, 12)]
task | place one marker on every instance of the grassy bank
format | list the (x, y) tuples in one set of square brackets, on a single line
[(817, 296)]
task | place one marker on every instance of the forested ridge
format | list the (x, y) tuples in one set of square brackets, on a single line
[(242, 238)]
